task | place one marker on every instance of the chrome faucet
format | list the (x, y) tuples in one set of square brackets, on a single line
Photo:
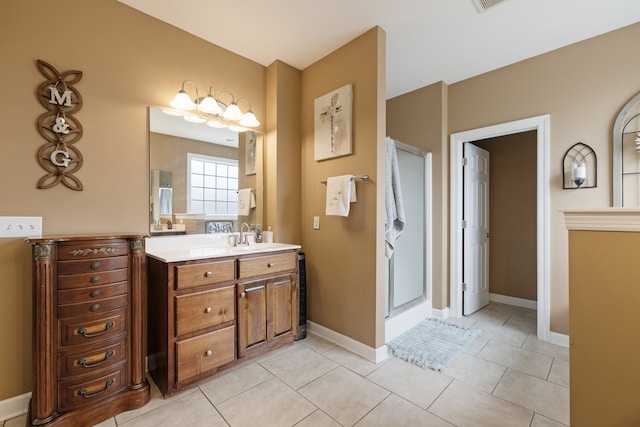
[(243, 238)]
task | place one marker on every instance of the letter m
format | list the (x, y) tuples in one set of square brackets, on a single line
[(56, 98)]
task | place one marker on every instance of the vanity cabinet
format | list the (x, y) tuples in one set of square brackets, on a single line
[(206, 315), (88, 328)]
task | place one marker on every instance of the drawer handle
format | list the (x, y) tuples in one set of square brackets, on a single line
[(95, 279), (243, 294), (95, 307), (83, 331), (207, 310), (95, 265), (271, 264), (95, 293), (208, 274), (208, 353), (83, 392), (82, 362)]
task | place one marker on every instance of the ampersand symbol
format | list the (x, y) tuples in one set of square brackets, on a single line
[(61, 126)]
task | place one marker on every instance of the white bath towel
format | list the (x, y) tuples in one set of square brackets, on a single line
[(394, 207), (341, 192), (246, 201)]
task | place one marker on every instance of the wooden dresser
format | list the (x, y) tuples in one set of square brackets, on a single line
[(89, 295), (209, 314)]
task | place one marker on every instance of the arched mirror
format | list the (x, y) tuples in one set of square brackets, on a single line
[(202, 179), (626, 155)]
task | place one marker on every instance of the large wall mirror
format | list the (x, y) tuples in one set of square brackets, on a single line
[(202, 179), (626, 155)]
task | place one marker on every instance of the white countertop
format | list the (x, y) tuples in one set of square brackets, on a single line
[(204, 246)]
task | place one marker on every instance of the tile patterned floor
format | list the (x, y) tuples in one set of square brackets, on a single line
[(505, 377)]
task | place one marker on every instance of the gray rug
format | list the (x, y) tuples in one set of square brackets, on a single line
[(433, 343)]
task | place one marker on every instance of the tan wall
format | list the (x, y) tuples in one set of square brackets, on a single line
[(605, 339), (129, 61), (343, 293), (583, 87), (419, 118), (513, 215)]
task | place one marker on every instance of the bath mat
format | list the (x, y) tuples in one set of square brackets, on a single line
[(433, 343)]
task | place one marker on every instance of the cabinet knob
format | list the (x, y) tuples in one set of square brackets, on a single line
[(95, 265), (208, 274), (207, 310), (95, 293), (95, 307), (208, 353), (242, 295), (271, 264), (95, 279)]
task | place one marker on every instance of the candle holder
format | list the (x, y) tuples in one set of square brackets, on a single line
[(579, 167)]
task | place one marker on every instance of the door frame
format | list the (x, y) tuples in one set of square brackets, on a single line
[(541, 124)]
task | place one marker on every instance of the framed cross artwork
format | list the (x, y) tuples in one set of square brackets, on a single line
[(332, 124)]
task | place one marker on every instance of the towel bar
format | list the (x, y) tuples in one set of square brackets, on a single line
[(364, 178)]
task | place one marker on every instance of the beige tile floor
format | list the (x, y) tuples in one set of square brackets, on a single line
[(505, 378)]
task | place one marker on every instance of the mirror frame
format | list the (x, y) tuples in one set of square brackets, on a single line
[(618, 135)]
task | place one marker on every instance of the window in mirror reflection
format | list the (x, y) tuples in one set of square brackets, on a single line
[(213, 185)]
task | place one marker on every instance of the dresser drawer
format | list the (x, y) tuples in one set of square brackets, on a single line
[(92, 279), (205, 309), (205, 352), (92, 329), (92, 358), (86, 391), (210, 273), (92, 249), (91, 293), (92, 307), (266, 265), (92, 265)]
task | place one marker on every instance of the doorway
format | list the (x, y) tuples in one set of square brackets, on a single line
[(540, 124)]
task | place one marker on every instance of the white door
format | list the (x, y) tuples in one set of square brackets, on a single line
[(475, 234)]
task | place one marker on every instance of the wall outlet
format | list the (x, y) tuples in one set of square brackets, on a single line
[(20, 226), (316, 222)]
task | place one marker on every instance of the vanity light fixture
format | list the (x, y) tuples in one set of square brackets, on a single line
[(212, 110), (579, 167)]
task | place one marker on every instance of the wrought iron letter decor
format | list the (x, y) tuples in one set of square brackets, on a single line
[(59, 156)]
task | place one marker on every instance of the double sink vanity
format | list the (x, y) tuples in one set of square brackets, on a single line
[(212, 305)]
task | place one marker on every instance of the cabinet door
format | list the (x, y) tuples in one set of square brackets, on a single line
[(252, 315), (282, 309)]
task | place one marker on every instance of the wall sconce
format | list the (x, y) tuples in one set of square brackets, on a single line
[(211, 110), (579, 167)]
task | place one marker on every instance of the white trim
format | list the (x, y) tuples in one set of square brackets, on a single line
[(541, 124), (605, 219), (402, 322), (517, 302), (14, 406), (440, 314), (559, 339), (372, 354)]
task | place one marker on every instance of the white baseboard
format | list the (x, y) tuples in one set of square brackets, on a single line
[(14, 407), (402, 322), (517, 302), (559, 339), (441, 314), (375, 355)]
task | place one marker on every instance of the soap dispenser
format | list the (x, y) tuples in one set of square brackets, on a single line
[(259, 233)]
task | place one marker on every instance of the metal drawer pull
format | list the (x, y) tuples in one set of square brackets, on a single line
[(95, 265), (82, 362), (208, 274), (95, 293), (83, 392), (83, 331), (95, 307), (95, 279), (208, 353), (207, 310), (271, 264)]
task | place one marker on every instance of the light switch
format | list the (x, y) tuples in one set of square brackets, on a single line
[(20, 226), (316, 222)]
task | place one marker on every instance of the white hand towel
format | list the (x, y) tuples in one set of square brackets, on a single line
[(394, 207), (246, 201), (341, 192)]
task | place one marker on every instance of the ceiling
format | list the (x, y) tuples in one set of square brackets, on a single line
[(427, 40)]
